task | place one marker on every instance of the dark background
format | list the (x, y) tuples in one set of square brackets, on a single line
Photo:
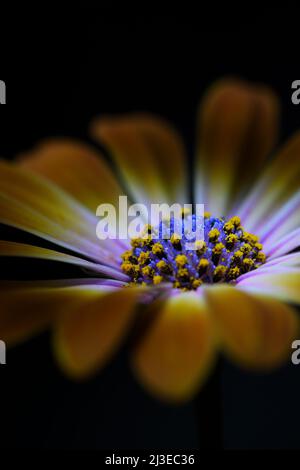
[(61, 69)]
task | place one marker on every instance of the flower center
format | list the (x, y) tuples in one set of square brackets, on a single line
[(226, 252)]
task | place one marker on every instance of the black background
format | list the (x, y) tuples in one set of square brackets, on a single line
[(61, 69)]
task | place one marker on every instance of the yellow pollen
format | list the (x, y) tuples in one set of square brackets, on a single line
[(128, 256), (144, 257), (231, 239), (136, 242), (213, 235), (238, 254), (228, 227), (196, 283), (181, 260), (236, 221), (248, 262), (233, 273), (148, 271), (261, 257), (157, 279), (250, 238), (220, 272), (182, 272), (157, 249), (203, 264), (129, 268), (218, 249), (163, 266), (146, 241), (207, 214), (175, 239), (246, 248)]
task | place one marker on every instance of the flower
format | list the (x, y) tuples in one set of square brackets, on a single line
[(235, 293)]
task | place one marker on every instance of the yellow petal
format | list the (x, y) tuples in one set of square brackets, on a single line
[(281, 223), (13, 249), (255, 331), (26, 308), (237, 130), (174, 356), (148, 154), (32, 203), (77, 168), (279, 181), (281, 283), (86, 338)]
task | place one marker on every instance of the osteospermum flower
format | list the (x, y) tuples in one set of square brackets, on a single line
[(236, 292)]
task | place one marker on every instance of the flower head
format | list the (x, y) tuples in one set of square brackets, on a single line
[(226, 253), (234, 292)]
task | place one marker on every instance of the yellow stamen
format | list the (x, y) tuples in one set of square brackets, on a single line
[(228, 227), (231, 239), (136, 242), (248, 263), (163, 267), (203, 264), (219, 272), (236, 221), (261, 257), (144, 257), (148, 271), (218, 249), (181, 260), (175, 240), (157, 279), (183, 273), (233, 273), (213, 235), (129, 268), (157, 249), (196, 283), (246, 248)]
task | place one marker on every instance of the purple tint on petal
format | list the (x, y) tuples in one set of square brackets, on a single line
[(263, 270), (284, 245), (246, 208), (110, 272), (287, 218), (287, 260)]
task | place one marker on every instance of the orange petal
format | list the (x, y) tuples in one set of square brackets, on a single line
[(86, 338), (77, 168), (237, 127), (149, 155), (255, 331), (26, 308), (174, 356)]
